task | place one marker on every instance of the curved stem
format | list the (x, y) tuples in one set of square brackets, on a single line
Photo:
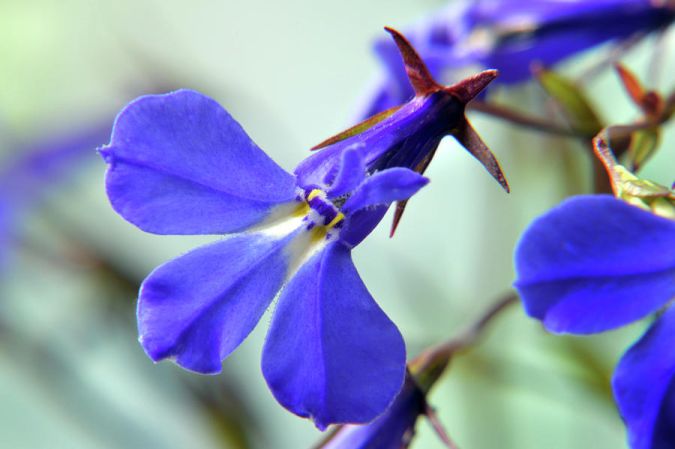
[(430, 365), (524, 120)]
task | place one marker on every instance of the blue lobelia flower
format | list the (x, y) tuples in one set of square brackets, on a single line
[(179, 164), (595, 263), (509, 35)]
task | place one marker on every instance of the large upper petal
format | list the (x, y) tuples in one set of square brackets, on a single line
[(595, 263), (199, 307), (331, 353), (644, 387), (180, 164)]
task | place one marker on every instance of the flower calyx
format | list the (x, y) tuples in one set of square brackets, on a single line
[(418, 126)]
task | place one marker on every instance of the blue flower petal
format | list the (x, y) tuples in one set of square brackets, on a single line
[(180, 164), (199, 307), (331, 354), (351, 171), (644, 387), (663, 436), (394, 429), (595, 263), (385, 187), (360, 224)]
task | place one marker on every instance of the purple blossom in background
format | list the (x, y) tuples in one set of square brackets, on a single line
[(595, 263), (34, 170), (509, 35), (180, 164)]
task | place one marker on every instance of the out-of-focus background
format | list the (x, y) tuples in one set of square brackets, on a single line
[(72, 374)]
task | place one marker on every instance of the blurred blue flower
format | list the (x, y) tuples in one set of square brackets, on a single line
[(33, 171), (509, 35), (180, 164), (595, 263)]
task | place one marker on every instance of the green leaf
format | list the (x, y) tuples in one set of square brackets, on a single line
[(572, 100), (643, 144)]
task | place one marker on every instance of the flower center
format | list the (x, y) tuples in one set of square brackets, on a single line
[(321, 220), (322, 212)]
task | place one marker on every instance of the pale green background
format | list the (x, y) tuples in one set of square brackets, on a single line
[(72, 374)]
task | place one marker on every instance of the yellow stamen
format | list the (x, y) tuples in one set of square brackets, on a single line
[(313, 194), (321, 230), (338, 218)]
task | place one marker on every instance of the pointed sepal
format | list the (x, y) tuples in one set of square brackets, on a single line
[(651, 103), (470, 140), (418, 74), (357, 129), (468, 88)]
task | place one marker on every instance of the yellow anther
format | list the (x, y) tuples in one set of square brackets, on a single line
[(313, 194), (338, 218), (324, 228)]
